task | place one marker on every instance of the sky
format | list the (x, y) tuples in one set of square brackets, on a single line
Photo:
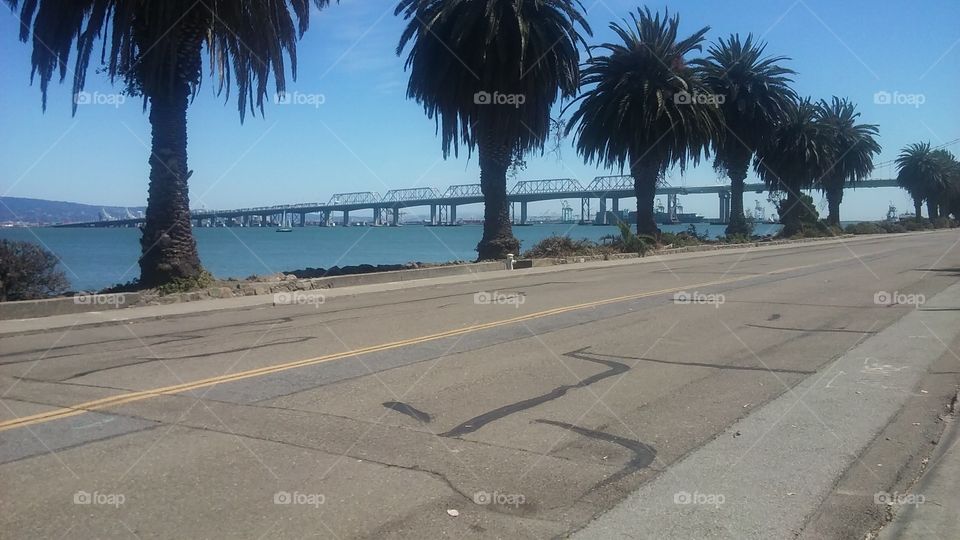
[(350, 126)]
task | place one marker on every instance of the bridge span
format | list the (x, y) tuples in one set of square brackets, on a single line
[(443, 206)]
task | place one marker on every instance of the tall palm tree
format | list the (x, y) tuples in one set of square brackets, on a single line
[(756, 92), (154, 49), (948, 186), (855, 145), (488, 72), (646, 108), (800, 151), (919, 174)]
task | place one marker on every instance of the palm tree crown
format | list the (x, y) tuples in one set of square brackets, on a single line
[(756, 92), (463, 52), (638, 108), (645, 108), (146, 43)]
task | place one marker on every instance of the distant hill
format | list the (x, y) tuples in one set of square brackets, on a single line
[(42, 212)]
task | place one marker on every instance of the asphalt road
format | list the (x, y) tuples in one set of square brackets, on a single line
[(525, 405)]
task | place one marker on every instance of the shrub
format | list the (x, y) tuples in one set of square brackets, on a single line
[(562, 246), (28, 272), (942, 222), (866, 228), (632, 243)]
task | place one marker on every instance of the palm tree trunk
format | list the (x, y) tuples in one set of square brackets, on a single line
[(645, 178), (169, 250), (498, 240), (738, 223), (834, 198), (917, 206), (932, 209)]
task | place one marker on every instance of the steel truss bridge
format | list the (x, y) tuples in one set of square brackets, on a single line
[(443, 206)]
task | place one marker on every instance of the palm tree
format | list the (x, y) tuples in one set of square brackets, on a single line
[(918, 172), (948, 187), (488, 72), (154, 49), (800, 151), (756, 92), (647, 108), (854, 145)]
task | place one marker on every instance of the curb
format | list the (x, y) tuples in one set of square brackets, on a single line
[(83, 303)]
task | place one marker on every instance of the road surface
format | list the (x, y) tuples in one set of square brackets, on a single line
[(760, 393)]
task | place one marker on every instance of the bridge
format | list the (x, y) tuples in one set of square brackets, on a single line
[(443, 206)]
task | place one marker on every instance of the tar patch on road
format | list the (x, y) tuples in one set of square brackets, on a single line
[(409, 410)]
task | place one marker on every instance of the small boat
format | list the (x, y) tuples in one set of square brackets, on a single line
[(285, 225)]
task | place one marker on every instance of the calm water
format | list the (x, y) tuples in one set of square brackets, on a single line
[(98, 258)]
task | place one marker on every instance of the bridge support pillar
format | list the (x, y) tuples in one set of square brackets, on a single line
[(523, 212), (303, 219), (433, 214), (585, 210), (724, 206), (395, 216), (453, 214), (672, 207), (264, 220), (603, 212), (615, 202), (346, 218)]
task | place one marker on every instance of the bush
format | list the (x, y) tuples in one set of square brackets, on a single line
[(942, 222), (632, 243), (562, 246), (865, 228), (28, 272)]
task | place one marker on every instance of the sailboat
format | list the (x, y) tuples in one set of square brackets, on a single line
[(285, 224)]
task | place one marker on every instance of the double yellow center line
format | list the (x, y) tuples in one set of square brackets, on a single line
[(130, 397)]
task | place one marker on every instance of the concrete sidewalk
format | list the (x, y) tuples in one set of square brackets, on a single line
[(932, 508)]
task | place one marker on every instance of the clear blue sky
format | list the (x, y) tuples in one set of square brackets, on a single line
[(368, 136)]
